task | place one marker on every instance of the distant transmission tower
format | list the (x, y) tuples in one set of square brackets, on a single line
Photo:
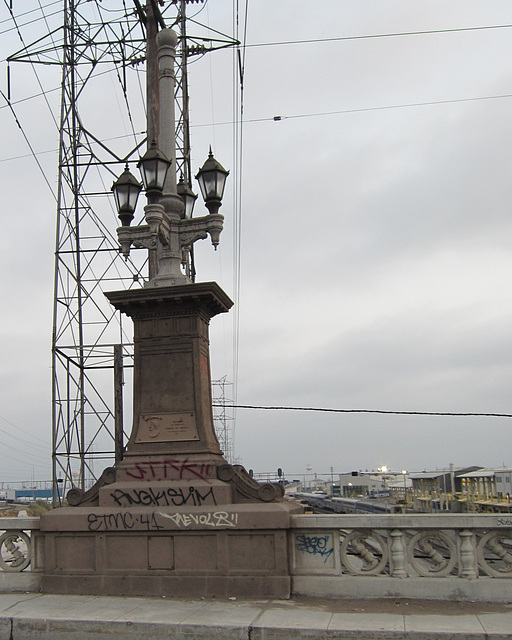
[(91, 352), (223, 417)]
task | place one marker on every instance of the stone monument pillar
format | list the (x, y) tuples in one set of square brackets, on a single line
[(172, 517)]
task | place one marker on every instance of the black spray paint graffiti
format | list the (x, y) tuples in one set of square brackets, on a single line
[(124, 521), (314, 545), (127, 521), (504, 522), (163, 498)]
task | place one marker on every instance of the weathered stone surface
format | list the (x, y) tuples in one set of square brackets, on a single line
[(172, 383), (274, 515), (173, 517)]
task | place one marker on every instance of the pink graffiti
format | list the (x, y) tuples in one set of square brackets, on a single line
[(170, 470)]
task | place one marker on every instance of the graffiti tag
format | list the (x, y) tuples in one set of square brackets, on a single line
[(164, 497), (170, 469), (125, 521), (504, 522), (215, 519), (314, 545)]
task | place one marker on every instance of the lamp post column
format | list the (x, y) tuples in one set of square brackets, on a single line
[(166, 46), (169, 253)]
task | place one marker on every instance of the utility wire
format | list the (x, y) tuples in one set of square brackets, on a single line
[(31, 458), (279, 118), (33, 66), (40, 454), (238, 89), (373, 411), (382, 108), (9, 104), (23, 460), (30, 22), (34, 154), (379, 35), (39, 440)]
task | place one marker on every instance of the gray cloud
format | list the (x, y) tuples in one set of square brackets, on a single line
[(375, 260)]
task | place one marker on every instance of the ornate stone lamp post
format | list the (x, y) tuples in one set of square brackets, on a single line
[(172, 517), (168, 232)]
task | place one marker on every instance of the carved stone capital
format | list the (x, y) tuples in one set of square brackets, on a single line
[(139, 236), (76, 497), (246, 489), (198, 229)]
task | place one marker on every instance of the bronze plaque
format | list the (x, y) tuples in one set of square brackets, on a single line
[(167, 427)]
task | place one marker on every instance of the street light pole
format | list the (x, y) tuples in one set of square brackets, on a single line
[(173, 455), (169, 233)]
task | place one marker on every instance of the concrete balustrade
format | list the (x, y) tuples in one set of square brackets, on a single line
[(21, 555), (458, 557)]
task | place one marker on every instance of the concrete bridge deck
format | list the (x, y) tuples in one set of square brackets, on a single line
[(31, 616)]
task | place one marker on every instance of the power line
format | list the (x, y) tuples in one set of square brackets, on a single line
[(395, 106), (279, 118), (8, 447), (29, 22), (238, 148), (312, 40), (33, 153), (375, 411), (40, 456), (22, 440), (379, 35)]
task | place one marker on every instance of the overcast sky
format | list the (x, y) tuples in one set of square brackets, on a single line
[(375, 244)]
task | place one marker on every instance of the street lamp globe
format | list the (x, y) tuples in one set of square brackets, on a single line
[(153, 166), (126, 190), (188, 196), (212, 180)]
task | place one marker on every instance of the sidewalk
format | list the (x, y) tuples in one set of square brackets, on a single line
[(31, 616)]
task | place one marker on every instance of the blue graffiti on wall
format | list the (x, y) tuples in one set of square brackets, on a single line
[(315, 546)]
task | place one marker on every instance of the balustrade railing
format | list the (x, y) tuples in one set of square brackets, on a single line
[(403, 555), (19, 546), (410, 555)]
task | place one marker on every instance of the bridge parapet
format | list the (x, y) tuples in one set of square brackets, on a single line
[(20, 545), (457, 557), (21, 555), (462, 557)]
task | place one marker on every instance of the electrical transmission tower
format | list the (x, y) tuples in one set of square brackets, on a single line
[(88, 339), (223, 417), (100, 51)]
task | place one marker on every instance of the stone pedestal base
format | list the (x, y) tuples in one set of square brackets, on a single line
[(172, 517), (234, 550)]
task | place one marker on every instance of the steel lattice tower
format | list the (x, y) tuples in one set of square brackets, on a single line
[(90, 351), (88, 341), (223, 417), (91, 354)]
